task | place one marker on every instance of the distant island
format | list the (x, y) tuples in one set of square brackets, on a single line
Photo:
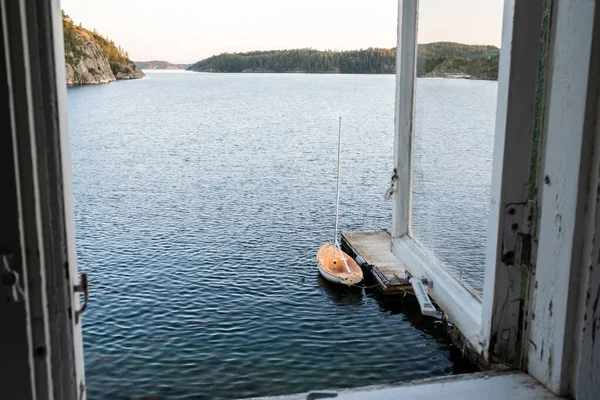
[(91, 58), (159, 65), (439, 59)]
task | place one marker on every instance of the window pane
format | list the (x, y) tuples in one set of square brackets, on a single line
[(454, 132), (454, 140)]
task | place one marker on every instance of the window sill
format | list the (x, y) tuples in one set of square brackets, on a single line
[(459, 302), (483, 385)]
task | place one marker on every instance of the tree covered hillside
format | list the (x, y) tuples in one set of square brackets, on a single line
[(364, 61), (157, 64), (432, 55), (374, 61)]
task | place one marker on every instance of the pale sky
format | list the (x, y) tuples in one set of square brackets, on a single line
[(185, 31)]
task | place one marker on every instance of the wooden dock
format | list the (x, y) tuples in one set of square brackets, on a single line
[(375, 248)]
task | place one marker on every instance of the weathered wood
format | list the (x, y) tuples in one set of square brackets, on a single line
[(571, 116), (375, 248), (507, 269), (588, 344), (44, 265)]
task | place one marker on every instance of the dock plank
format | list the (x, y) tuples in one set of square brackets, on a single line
[(375, 248)]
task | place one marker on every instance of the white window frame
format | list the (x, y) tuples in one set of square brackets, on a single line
[(558, 349), (44, 262), (493, 324), (563, 349)]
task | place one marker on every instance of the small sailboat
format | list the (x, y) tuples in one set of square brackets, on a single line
[(335, 265)]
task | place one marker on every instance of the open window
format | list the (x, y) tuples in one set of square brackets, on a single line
[(415, 225), (453, 141), (539, 306), (545, 172)]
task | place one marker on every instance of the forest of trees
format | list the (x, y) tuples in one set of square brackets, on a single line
[(72, 51), (374, 61), (432, 55), (117, 57), (364, 61)]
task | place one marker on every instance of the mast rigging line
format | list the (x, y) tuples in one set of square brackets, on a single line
[(336, 244)]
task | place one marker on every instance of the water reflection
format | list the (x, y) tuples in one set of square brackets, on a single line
[(340, 294), (431, 327)]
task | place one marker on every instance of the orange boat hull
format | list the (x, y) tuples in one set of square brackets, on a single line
[(337, 266)]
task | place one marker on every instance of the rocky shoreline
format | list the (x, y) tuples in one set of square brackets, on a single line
[(91, 59)]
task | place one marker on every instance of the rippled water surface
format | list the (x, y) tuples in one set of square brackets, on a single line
[(200, 202)]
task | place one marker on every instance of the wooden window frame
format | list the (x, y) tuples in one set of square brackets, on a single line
[(537, 311), (493, 324), (42, 257), (564, 314)]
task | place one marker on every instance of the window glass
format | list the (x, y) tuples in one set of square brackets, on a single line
[(454, 136)]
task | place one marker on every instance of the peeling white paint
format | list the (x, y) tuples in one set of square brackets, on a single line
[(567, 156), (586, 371)]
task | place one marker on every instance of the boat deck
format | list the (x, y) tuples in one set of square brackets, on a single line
[(375, 248)]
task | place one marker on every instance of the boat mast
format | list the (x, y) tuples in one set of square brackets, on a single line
[(337, 196)]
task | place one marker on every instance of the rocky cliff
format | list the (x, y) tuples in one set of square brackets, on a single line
[(92, 59)]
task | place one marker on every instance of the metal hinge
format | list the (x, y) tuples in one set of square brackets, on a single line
[(517, 240), (392, 186), (82, 287), (10, 279)]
